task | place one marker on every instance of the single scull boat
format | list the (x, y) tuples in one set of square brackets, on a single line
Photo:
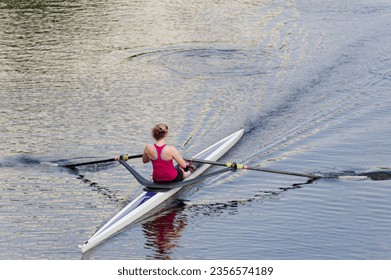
[(147, 203)]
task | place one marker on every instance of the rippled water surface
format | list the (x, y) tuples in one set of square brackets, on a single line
[(308, 80)]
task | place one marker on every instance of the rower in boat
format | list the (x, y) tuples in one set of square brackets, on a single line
[(162, 156), (154, 195)]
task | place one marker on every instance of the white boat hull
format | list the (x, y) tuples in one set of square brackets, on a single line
[(148, 202)]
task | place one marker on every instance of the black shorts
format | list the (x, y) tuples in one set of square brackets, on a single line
[(179, 177)]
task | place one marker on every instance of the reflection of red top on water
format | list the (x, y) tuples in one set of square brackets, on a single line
[(162, 234)]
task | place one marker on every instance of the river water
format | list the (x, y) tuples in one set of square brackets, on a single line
[(309, 81)]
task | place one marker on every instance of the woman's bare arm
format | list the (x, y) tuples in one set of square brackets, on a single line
[(146, 157), (177, 157)]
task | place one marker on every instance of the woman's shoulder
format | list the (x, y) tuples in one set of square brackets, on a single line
[(149, 147), (171, 149)]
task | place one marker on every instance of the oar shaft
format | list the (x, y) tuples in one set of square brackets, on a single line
[(282, 172), (242, 166), (124, 157), (90, 162)]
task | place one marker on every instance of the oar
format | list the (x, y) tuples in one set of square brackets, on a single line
[(242, 166), (123, 157)]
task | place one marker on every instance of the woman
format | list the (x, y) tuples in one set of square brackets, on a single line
[(162, 157)]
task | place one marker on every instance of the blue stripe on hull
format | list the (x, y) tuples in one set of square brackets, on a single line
[(142, 200)]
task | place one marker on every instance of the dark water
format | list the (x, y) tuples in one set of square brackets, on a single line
[(308, 80)]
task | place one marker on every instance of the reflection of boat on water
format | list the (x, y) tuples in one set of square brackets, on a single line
[(156, 195), (162, 234)]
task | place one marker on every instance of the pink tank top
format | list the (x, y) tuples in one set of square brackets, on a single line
[(163, 170)]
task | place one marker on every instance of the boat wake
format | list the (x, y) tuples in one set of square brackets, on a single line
[(19, 161)]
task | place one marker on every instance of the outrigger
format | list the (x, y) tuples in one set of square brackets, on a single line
[(154, 195)]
